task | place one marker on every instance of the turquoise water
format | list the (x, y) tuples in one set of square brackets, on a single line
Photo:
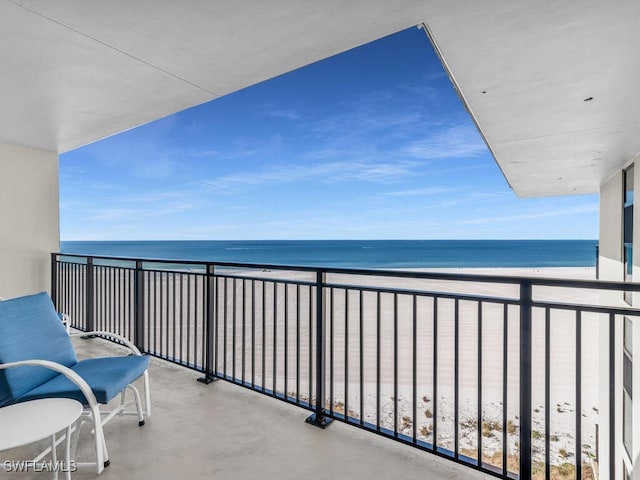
[(357, 253)]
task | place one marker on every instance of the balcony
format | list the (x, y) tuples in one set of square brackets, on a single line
[(453, 368), (221, 431)]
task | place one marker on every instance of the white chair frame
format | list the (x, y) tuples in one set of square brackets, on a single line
[(92, 413)]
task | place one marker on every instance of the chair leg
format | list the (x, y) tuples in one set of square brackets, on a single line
[(122, 401), (102, 457), (76, 437), (147, 395), (136, 395)]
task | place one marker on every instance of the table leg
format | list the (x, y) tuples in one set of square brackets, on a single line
[(67, 454), (54, 457)]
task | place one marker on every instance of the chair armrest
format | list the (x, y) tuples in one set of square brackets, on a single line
[(67, 372), (128, 343), (66, 321)]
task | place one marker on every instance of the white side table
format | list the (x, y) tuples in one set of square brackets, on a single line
[(28, 422)]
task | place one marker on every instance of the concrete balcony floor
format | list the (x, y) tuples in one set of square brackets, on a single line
[(227, 432)]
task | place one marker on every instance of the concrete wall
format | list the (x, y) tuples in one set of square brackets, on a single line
[(29, 219), (636, 327), (612, 268), (610, 240)]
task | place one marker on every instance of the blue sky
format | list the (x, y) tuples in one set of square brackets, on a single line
[(370, 144)]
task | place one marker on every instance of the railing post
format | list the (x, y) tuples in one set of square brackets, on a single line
[(318, 418), (612, 398), (210, 341), (90, 319), (54, 279), (138, 301), (525, 378)]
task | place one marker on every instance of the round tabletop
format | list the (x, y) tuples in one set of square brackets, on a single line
[(28, 422)]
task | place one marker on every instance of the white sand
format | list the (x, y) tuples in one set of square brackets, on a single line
[(562, 395), (561, 407)]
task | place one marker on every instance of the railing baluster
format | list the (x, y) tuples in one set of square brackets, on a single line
[(244, 330), (456, 378), (63, 286), (434, 422), (525, 378), (224, 328), (138, 300), (547, 392), (275, 338), (286, 340), (155, 312), (202, 307), (378, 349), (612, 396), (253, 333), (111, 295), (578, 394), (54, 280), (189, 362), (182, 359), (505, 380), (479, 385), (414, 379), (90, 325), (310, 344), (330, 309), (78, 313), (361, 347), (298, 313), (346, 355), (264, 337), (199, 322), (173, 302), (147, 315), (130, 304), (395, 364), (165, 277), (234, 320)]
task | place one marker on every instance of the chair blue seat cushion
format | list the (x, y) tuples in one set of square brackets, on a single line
[(107, 376)]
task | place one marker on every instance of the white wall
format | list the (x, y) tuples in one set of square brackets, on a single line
[(610, 240), (29, 219), (611, 268)]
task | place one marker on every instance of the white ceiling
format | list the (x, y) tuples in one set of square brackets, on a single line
[(537, 63), (75, 71)]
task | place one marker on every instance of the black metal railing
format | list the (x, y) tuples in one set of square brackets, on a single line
[(498, 373)]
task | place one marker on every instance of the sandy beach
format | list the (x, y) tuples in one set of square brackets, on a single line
[(284, 313), (343, 347)]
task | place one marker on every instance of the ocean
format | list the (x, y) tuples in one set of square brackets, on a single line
[(395, 254)]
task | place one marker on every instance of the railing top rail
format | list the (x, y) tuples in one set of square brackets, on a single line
[(425, 275)]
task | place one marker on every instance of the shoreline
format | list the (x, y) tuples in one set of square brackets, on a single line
[(583, 272)]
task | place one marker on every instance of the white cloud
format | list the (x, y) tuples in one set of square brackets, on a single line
[(455, 142), (587, 208), (421, 192), (285, 114), (331, 172)]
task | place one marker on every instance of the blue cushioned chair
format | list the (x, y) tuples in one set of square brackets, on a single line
[(37, 360)]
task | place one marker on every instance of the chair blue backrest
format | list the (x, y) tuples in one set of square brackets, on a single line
[(30, 329)]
